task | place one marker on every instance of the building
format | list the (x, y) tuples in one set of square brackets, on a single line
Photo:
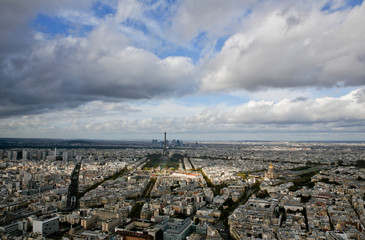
[(146, 213), (176, 229), (331, 235), (46, 225), (110, 224), (89, 221), (10, 229), (65, 156), (14, 155), (139, 230), (126, 235), (25, 155), (270, 172)]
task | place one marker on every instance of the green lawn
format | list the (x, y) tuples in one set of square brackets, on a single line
[(155, 161)]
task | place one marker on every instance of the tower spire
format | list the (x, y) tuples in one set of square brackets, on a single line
[(165, 153)]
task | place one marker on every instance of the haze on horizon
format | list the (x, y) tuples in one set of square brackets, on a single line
[(200, 70)]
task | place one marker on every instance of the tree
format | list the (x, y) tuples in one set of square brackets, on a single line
[(360, 164), (304, 199), (263, 194)]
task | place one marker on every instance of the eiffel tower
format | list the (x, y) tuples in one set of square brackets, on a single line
[(165, 152)]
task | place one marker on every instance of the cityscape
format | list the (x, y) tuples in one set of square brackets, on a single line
[(182, 120), (163, 189)]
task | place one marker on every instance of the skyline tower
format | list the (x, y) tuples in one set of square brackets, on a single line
[(165, 152)]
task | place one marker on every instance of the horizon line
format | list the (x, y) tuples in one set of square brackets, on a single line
[(189, 140)]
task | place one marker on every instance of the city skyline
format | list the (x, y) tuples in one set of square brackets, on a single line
[(211, 191), (204, 71)]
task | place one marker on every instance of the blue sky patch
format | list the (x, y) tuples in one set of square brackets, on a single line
[(194, 54), (353, 3), (214, 99), (220, 43), (328, 7), (161, 13), (135, 24), (51, 25), (101, 10)]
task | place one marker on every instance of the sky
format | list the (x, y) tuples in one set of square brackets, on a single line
[(198, 69)]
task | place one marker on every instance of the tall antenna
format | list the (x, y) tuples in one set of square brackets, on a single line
[(165, 153)]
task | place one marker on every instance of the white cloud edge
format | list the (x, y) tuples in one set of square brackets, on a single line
[(345, 114)]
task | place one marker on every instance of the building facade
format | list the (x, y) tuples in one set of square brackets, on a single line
[(46, 225)]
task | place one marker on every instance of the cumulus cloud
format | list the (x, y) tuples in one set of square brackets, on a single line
[(291, 47), (297, 111), (112, 78), (67, 71), (211, 17), (343, 115), (16, 17)]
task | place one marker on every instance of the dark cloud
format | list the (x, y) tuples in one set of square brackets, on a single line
[(300, 99), (274, 49), (292, 21), (66, 77), (41, 74)]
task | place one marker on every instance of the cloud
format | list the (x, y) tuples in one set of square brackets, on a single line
[(292, 46), (348, 108), (15, 17), (212, 17), (277, 45), (40, 72), (333, 118), (69, 71)]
